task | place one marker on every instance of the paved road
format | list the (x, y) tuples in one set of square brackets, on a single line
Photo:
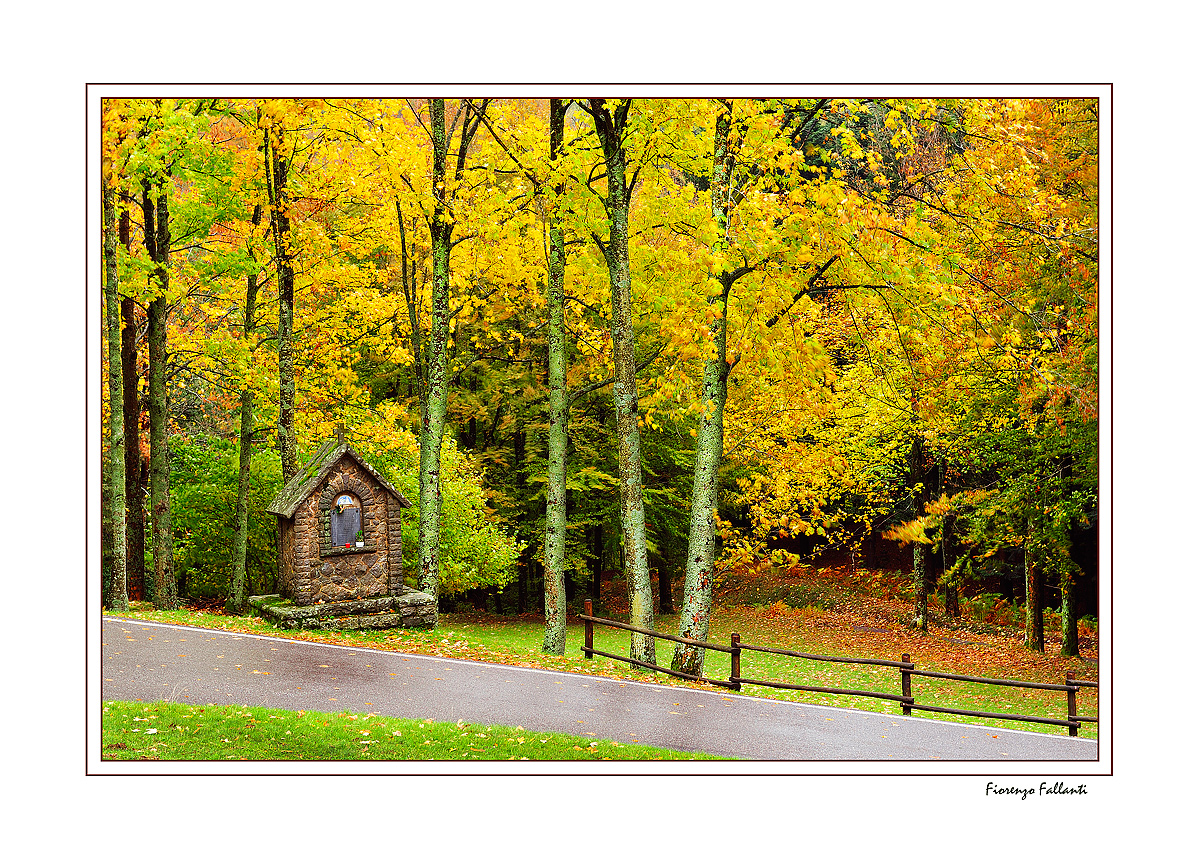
[(146, 661)]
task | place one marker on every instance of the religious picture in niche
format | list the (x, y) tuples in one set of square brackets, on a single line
[(345, 521)]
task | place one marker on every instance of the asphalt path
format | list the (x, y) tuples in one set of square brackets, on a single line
[(158, 662)]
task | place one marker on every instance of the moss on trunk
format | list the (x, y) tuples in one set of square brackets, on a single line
[(556, 477)]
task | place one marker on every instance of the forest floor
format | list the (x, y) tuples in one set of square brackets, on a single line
[(871, 611)]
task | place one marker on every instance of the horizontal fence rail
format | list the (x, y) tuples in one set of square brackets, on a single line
[(996, 681), (660, 669), (891, 663), (618, 625), (827, 690), (907, 668), (589, 651)]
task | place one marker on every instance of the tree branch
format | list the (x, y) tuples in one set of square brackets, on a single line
[(595, 386), (803, 292)]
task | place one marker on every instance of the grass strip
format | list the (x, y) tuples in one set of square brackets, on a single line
[(164, 731)]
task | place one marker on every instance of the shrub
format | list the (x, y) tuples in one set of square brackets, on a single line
[(204, 482), (476, 551)]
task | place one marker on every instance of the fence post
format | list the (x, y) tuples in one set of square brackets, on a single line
[(735, 661), (1073, 727), (905, 685), (587, 629)]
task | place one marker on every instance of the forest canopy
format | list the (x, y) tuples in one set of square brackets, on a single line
[(663, 336)]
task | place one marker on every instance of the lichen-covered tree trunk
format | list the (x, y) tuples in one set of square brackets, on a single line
[(118, 592), (555, 640), (921, 586), (1070, 619), (437, 361), (610, 128), (702, 535), (157, 236), (236, 601), (433, 423), (106, 530), (710, 438), (281, 230)]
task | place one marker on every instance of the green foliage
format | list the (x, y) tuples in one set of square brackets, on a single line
[(204, 484), (475, 550)]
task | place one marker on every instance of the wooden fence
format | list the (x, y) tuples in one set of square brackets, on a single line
[(907, 669)]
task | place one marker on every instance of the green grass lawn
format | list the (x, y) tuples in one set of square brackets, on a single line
[(160, 731)]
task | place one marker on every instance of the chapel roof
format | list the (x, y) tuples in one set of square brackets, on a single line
[(305, 481)]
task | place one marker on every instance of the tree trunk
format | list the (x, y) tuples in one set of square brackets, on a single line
[(118, 592), (136, 471), (412, 299), (157, 236), (106, 533), (921, 586), (236, 601), (596, 562), (610, 128), (710, 437), (555, 640), (916, 479), (1070, 620), (281, 230), (1035, 637), (136, 467), (666, 599), (434, 412), (525, 572), (950, 597), (433, 417), (949, 584)]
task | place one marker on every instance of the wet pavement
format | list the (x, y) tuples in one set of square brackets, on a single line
[(150, 662)]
